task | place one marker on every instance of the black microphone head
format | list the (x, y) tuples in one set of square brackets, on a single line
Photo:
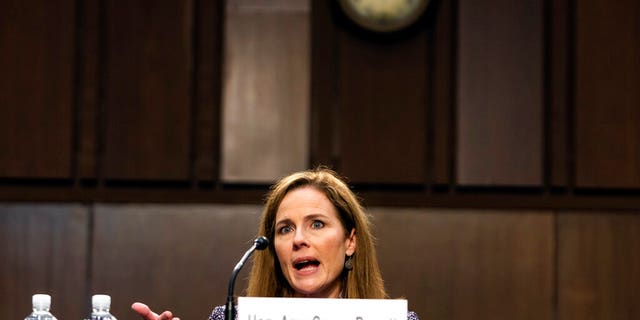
[(261, 242)]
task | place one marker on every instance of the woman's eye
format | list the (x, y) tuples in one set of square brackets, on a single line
[(317, 224), (285, 229)]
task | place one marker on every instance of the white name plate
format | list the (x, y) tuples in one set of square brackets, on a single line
[(250, 308)]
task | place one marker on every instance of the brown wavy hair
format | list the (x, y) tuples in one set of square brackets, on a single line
[(364, 281)]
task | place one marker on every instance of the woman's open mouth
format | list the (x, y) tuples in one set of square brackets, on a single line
[(306, 264)]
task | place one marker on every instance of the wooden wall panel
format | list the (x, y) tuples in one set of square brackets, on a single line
[(500, 93), (265, 116), (382, 108), (442, 98), (87, 124), (607, 97), (558, 125), (171, 257), (44, 250), (323, 85), (599, 265), (464, 264), (147, 104), (36, 88), (208, 64)]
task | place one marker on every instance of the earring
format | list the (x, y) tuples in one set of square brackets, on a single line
[(348, 264)]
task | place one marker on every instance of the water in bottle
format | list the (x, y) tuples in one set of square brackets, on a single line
[(100, 304), (41, 304)]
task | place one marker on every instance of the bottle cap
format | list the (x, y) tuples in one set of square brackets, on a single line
[(41, 301), (100, 301)]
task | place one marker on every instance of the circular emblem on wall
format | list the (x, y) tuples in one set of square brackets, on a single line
[(384, 15)]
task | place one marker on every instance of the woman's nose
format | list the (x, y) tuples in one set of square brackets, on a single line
[(300, 238)]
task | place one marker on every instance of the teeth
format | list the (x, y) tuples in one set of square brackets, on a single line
[(301, 264)]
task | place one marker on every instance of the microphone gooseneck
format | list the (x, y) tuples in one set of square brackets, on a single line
[(260, 243)]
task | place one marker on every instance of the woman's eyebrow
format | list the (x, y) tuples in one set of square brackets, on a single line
[(283, 221), (315, 216)]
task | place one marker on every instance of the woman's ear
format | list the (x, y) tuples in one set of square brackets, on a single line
[(351, 242)]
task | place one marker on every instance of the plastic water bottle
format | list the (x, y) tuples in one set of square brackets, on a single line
[(100, 304), (41, 304)]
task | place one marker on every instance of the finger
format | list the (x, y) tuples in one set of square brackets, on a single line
[(167, 315), (144, 311)]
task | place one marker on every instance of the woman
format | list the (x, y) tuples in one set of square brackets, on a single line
[(320, 245)]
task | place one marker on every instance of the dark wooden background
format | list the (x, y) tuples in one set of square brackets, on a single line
[(495, 143)]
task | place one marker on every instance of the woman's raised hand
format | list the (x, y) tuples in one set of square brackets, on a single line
[(146, 313)]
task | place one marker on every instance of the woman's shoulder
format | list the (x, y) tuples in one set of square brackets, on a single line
[(217, 313)]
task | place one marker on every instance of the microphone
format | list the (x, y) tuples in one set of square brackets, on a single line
[(260, 243)]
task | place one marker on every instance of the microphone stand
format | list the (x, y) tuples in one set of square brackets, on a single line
[(259, 243)]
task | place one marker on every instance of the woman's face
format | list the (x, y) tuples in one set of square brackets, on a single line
[(311, 244)]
